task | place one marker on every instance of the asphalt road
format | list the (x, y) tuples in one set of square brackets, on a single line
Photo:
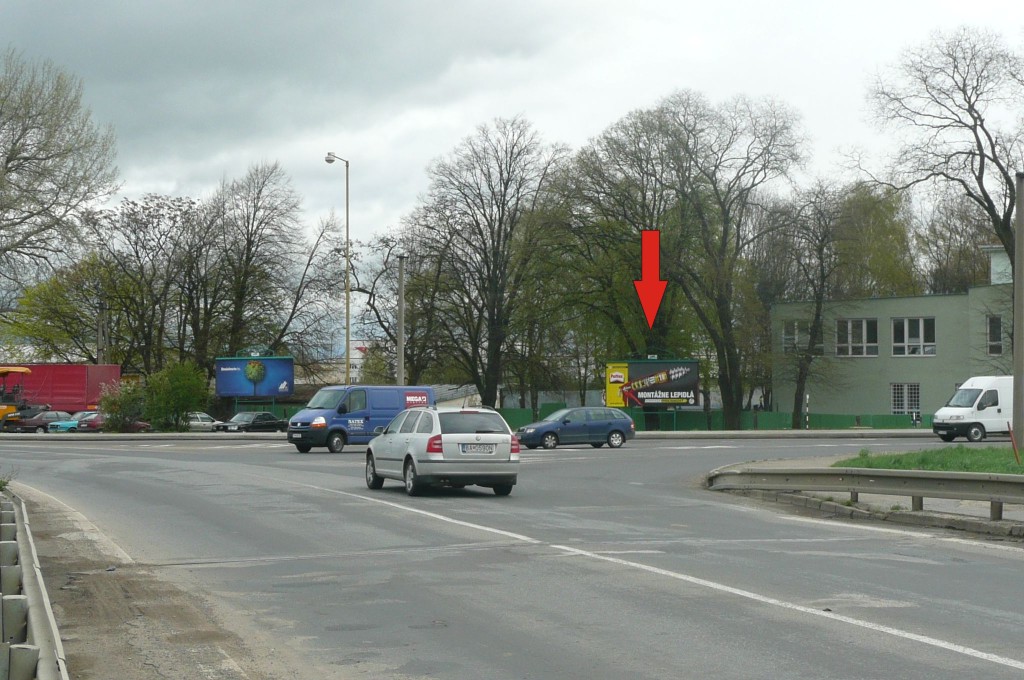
[(601, 564)]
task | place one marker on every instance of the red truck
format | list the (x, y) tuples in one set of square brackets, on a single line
[(64, 387)]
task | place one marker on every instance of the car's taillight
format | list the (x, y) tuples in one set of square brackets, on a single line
[(515, 448), (632, 426), (434, 446)]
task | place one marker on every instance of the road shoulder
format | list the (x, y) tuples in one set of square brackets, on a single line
[(117, 618)]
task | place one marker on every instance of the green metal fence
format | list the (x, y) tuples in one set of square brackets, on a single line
[(677, 421)]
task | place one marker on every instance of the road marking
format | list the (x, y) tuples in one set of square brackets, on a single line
[(406, 508), (888, 630)]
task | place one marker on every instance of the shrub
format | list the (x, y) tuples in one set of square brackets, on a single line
[(174, 391), (122, 403)]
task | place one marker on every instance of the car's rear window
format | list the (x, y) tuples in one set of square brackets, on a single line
[(467, 422)]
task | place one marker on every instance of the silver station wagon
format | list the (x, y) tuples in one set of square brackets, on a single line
[(445, 446)]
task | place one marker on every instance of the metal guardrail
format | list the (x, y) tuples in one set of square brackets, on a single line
[(917, 484), (30, 646)]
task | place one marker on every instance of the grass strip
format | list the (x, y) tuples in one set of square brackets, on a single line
[(960, 458)]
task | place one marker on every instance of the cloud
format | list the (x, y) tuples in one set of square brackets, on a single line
[(199, 91)]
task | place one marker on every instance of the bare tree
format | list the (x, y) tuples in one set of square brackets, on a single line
[(475, 226), (957, 99), (267, 259), (721, 158), (949, 240), (816, 230), (54, 161), (138, 242), (424, 341)]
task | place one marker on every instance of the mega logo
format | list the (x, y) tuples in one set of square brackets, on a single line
[(413, 399)]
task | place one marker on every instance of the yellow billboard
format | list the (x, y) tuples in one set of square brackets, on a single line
[(615, 378)]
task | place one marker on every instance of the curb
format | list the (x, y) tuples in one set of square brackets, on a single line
[(936, 520)]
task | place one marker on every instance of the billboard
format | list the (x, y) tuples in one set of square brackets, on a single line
[(255, 376), (670, 382)]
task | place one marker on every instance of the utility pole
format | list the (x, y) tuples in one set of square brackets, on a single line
[(102, 339), (1018, 314), (400, 370)]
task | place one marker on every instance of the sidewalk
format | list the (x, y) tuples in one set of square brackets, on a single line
[(940, 513)]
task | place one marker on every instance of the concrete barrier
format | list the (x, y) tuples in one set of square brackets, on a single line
[(30, 647)]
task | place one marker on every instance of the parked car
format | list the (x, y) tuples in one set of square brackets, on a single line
[(97, 421), (9, 422), (37, 422), (594, 425), (202, 422), (70, 425), (253, 421), (444, 446)]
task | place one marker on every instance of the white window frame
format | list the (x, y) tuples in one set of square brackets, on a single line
[(905, 398), (857, 334), (795, 333), (918, 336)]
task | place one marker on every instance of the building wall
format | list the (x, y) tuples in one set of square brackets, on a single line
[(856, 385)]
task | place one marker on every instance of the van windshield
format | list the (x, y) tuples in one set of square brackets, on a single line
[(326, 399), (964, 398)]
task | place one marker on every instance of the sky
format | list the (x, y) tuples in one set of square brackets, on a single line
[(199, 91)]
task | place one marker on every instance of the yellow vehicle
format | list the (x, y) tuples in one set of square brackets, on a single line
[(12, 389)]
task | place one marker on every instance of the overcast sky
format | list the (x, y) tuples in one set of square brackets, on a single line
[(198, 91)]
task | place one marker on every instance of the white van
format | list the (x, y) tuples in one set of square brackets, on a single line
[(981, 406)]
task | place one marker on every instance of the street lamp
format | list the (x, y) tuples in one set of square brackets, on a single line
[(330, 158)]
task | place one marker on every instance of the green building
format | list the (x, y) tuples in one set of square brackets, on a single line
[(900, 355)]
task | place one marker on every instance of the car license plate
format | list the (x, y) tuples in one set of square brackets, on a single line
[(478, 448), (295, 435)]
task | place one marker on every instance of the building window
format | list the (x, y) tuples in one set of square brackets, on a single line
[(856, 337), (995, 335), (913, 337), (906, 398), (795, 335)]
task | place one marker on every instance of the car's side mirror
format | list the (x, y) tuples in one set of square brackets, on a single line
[(379, 429), (566, 421), (343, 409)]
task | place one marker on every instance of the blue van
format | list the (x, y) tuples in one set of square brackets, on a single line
[(347, 414)]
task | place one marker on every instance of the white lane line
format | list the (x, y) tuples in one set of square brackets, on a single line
[(406, 508), (888, 630)]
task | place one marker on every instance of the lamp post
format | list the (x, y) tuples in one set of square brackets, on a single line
[(400, 372), (330, 158)]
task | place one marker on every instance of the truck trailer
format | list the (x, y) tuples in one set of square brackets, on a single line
[(66, 387)]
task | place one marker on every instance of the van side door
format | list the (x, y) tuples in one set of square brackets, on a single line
[(352, 413)]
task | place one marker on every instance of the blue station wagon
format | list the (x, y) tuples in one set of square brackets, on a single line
[(594, 425)]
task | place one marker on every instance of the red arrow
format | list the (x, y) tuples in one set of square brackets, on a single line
[(651, 287)]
